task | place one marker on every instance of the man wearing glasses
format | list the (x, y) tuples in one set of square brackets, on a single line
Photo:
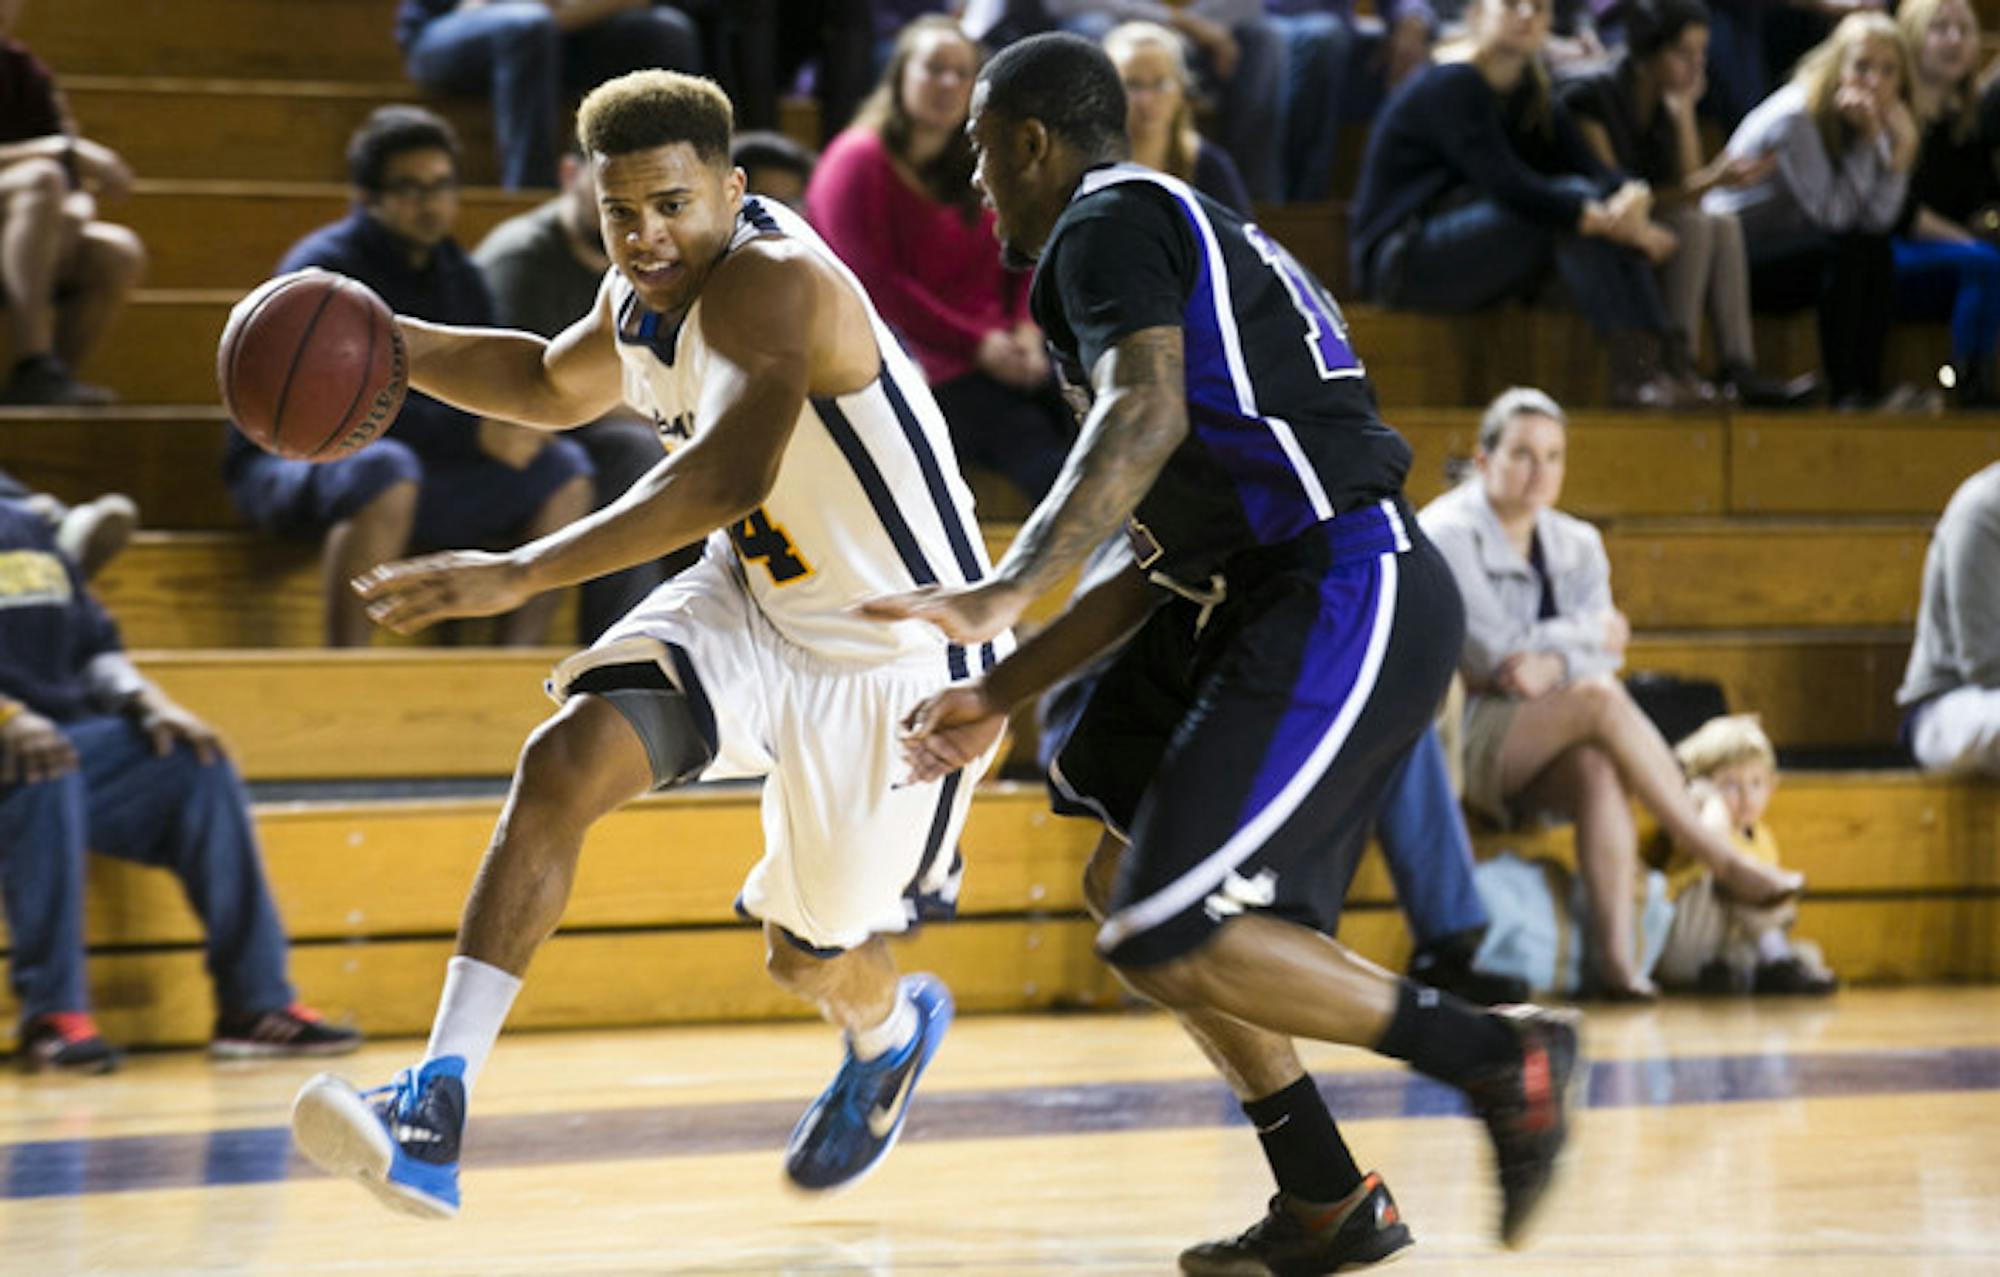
[(437, 479)]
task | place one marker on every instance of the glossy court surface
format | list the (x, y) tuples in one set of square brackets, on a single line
[(1858, 1135)]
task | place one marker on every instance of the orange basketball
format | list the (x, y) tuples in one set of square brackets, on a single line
[(311, 366)]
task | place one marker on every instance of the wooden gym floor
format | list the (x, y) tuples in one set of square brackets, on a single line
[(1857, 1135)]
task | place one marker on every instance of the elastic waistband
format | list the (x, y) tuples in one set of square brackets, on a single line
[(1369, 530)]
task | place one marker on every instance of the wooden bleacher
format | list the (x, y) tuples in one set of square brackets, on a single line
[(1778, 555), (1906, 883)]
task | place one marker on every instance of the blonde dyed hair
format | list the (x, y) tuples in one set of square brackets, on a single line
[(1723, 742), (1183, 142), (1818, 72), (1961, 104), (648, 109)]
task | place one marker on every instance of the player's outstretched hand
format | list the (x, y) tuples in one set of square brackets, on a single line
[(409, 595), (966, 614), (949, 730)]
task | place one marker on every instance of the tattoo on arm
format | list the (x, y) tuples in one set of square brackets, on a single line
[(1139, 418)]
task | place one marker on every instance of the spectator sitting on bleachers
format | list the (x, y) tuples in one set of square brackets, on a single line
[(1715, 944), (1477, 186), (1817, 226), (774, 166), (544, 269), (64, 272), (893, 196), (94, 757), (442, 477), (532, 56), (1337, 70), (1943, 269), (1951, 690), (1548, 726), (1160, 119), (1639, 116), (1236, 49)]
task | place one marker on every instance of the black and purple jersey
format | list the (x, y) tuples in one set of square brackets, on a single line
[(1283, 428)]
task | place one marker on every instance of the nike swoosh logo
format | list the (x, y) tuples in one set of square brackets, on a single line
[(882, 1118)]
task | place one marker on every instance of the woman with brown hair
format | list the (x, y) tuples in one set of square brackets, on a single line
[(1817, 226), (893, 196)]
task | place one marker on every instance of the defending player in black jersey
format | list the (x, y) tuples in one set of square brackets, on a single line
[(1294, 633)]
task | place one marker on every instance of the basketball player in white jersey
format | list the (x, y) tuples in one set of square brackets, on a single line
[(805, 448)]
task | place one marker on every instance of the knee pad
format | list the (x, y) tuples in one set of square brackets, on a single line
[(679, 738)]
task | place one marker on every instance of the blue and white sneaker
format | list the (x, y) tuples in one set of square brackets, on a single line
[(400, 1141), (857, 1119)]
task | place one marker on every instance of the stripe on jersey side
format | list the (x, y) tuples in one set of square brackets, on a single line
[(934, 841), (947, 509), (869, 475)]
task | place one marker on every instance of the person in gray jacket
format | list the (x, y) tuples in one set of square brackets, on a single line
[(1817, 228), (1548, 726), (1952, 686)]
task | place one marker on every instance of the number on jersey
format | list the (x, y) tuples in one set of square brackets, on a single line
[(1326, 328), (759, 540)]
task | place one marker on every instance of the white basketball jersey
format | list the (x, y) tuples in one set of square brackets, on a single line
[(868, 498)]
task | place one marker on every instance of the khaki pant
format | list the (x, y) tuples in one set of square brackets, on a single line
[(1709, 926), (1712, 268)]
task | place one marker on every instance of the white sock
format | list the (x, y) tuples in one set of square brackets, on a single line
[(892, 1034), (1773, 945), (477, 997)]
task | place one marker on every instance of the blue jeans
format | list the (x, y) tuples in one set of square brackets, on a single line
[(1956, 281), (514, 50), (1470, 257), (1428, 851), (126, 801)]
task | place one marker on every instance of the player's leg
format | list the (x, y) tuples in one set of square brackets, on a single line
[(851, 855), (1326, 1216), (402, 1141), (1227, 900)]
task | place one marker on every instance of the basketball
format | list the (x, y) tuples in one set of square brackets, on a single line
[(311, 366)]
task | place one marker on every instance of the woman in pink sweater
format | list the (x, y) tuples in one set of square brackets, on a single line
[(893, 196)]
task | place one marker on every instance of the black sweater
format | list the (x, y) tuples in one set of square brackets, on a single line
[(1447, 130)]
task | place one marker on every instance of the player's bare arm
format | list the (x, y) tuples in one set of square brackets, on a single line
[(552, 384), (1137, 419), (955, 726), (760, 319)]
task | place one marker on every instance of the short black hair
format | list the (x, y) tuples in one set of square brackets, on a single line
[(763, 148), (641, 110), (390, 131), (1652, 25), (1066, 82)]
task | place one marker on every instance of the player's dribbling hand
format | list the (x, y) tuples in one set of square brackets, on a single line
[(965, 614), (407, 596), (949, 730)]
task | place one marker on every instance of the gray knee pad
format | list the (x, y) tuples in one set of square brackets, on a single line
[(665, 719)]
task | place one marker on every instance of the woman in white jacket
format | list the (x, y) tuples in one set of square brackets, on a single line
[(1548, 726)]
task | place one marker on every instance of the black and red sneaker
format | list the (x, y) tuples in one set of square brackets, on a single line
[(65, 1042), (1526, 1106), (1296, 1238), (288, 1031)]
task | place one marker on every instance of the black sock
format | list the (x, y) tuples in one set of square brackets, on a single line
[(1304, 1147), (1444, 1037)]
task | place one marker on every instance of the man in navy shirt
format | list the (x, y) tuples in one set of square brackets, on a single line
[(1290, 630), (442, 477), (93, 756)]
